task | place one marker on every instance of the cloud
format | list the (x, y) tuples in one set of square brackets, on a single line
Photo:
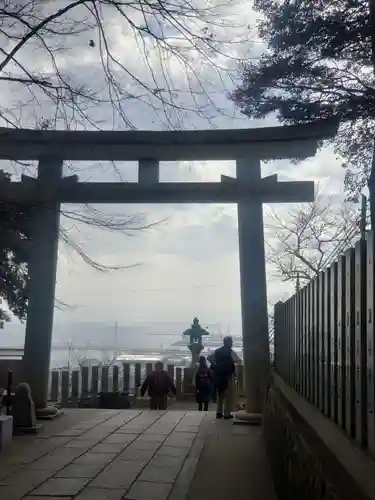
[(189, 263)]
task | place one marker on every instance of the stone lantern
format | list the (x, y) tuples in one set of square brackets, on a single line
[(195, 333)]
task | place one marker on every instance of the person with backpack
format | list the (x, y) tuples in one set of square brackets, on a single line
[(158, 383), (223, 363), (203, 384)]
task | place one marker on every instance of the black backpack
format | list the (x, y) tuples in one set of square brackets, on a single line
[(223, 366)]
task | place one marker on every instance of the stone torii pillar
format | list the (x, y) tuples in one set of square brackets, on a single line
[(253, 294), (254, 310), (42, 266)]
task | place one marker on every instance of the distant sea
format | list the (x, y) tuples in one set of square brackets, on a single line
[(97, 341), (62, 359)]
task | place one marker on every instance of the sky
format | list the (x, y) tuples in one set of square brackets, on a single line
[(186, 264)]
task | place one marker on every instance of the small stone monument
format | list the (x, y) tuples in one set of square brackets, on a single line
[(195, 333), (23, 409)]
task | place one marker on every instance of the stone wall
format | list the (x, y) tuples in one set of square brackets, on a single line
[(310, 457)]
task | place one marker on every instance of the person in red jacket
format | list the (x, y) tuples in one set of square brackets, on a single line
[(158, 383)]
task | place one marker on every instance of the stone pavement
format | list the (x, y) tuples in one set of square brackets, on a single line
[(234, 464), (126, 455)]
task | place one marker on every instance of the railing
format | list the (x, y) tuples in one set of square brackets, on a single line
[(68, 387), (324, 342)]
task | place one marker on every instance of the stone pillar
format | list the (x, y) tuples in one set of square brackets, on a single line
[(42, 267), (148, 171), (253, 291)]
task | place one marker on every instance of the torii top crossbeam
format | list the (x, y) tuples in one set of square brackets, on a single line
[(295, 141), (149, 148)]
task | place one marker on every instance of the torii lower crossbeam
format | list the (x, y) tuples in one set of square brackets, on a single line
[(30, 191)]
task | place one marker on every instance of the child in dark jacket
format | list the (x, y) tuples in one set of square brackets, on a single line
[(158, 383), (203, 384)]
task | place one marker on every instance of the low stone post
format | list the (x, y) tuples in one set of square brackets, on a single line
[(95, 381), (85, 381), (115, 378), (178, 382), (126, 378), (75, 386), (55, 385), (137, 376), (170, 370), (104, 379), (65, 383)]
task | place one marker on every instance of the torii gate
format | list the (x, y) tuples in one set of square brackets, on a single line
[(247, 146)]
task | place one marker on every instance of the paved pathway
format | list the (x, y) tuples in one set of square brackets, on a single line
[(233, 464), (123, 455)]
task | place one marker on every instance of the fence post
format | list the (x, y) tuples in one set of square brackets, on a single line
[(327, 342), (341, 319), (333, 327), (75, 385), (290, 340), (85, 381), (370, 271), (137, 376), (312, 326), (55, 385), (320, 376), (314, 358), (278, 338), (126, 378), (350, 343), (286, 335), (294, 340), (360, 343), (65, 382), (187, 381), (104, 379), (95, 381), (303, 313), (115, 378), (298, 340), (178, 382), (170, 370)]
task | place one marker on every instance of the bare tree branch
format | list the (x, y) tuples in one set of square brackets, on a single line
[(198, 38), (302, 243)]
